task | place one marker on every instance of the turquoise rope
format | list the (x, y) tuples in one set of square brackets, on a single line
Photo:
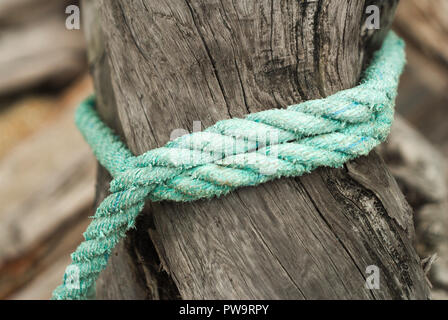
[(231, 154)]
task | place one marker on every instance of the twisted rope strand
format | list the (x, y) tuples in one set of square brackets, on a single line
[(231, 154)]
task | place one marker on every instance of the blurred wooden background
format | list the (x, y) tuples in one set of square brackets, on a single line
[(47, 172)]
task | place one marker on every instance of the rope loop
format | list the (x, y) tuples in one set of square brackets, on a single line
[(231, 154)]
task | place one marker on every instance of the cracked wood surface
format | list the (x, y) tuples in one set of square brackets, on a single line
[(160, 65)]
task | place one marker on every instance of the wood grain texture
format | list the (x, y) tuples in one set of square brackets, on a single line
[(161, 65)]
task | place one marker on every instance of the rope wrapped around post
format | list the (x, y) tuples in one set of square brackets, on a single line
[(231, 154)]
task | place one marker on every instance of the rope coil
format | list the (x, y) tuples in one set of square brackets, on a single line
[(231, 154)]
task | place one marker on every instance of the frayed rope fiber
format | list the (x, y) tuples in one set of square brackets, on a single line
[(231, 154)]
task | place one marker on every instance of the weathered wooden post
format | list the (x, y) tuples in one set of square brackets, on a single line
[(160, 65)]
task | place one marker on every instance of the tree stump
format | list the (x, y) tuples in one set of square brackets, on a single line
[(161, 65)]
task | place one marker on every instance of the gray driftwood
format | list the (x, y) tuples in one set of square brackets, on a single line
[(160, 65)]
